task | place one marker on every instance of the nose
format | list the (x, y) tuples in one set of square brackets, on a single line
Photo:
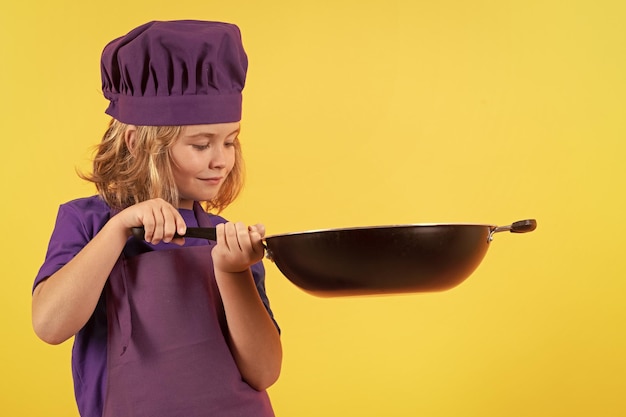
[(217, 158)]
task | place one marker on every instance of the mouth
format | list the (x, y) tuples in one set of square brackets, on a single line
[(211, 180)]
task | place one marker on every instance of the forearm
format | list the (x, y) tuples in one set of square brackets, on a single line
[(254, 338), (65, 301)]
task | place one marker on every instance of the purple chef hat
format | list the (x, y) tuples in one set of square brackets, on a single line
[(175, 73)]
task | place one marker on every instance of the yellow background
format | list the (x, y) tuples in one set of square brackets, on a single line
[(370, 112)]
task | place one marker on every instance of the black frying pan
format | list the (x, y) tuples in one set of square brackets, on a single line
[(379, 259)]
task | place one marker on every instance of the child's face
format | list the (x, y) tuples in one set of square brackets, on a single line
[(202, 158)]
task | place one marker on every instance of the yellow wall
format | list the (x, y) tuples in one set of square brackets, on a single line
[(369, 112)]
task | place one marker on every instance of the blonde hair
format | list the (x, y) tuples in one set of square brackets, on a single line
[(123, 178)]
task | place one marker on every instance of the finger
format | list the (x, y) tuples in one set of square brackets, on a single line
[(181, 226), (181, 229), (159, 225), (149, 223), (243, 237), (233, 233), (220, 232), (257, 232), (169, 226), (258, 228), (171, 219)]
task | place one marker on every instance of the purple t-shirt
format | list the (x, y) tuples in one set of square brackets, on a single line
[(78, 221)]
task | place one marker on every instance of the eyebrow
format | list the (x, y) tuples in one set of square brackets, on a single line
[(210, 135)]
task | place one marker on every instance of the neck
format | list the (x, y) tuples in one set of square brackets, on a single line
[(185, 204)]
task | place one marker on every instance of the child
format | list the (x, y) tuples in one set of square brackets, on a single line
[(167, 326)]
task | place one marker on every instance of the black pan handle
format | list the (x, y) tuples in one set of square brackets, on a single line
[(521, 226), (524, 226), (195, 232)]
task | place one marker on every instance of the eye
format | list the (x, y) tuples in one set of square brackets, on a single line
[(232, 141), (200, 147)]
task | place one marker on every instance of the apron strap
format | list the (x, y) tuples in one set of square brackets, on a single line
[(203, 218)]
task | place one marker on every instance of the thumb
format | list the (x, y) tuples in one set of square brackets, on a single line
[(258, 228)]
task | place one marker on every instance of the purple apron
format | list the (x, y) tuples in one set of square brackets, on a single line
[(167, 352)]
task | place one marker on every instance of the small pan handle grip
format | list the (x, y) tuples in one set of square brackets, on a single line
[(524, 226), (194, 232), (521, 226)]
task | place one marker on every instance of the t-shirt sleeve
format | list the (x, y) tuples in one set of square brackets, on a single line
[(76, 224), (258, 272)]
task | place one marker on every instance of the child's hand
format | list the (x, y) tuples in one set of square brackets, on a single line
[(238, 246), (159, 219)]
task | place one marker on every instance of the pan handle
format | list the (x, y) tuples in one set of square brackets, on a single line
[(208, 233), (521, 226), (197, 232)]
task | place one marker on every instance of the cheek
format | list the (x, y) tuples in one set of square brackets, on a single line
[(231, 161)]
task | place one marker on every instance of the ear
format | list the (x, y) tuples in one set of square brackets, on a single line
[(130, 136)]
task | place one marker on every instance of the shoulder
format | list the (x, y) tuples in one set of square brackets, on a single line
[(91, 213), (78, 221), (93, 204)]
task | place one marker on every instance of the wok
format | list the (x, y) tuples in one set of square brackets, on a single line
[(379, 259)]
